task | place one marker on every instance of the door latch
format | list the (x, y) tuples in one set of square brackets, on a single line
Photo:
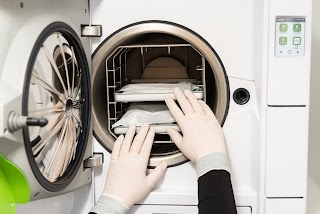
[(94, 161)]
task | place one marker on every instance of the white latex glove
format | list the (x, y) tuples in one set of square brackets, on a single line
[(127, 180), (202, 133)]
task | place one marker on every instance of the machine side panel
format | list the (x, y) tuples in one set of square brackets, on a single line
[(281, 206), (288, 75), (286, 152)]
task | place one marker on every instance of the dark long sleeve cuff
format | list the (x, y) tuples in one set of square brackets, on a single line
[(215, 193)]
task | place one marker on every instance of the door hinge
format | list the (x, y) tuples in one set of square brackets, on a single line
[(94, 161), (91, 30)]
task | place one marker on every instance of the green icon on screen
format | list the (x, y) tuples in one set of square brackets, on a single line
[(283, 27), (283, 41), (296, 40), (297, 27)]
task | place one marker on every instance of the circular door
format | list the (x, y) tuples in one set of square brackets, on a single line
[(57, 87), (141, 35)]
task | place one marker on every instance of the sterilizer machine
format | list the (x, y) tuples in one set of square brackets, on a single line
[(73, 71)]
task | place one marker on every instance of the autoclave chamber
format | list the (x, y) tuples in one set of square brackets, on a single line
[(156, 53)]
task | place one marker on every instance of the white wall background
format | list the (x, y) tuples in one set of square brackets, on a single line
[(314, 138), (314, 133)]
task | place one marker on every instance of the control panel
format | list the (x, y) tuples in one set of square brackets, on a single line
[(290, 36)]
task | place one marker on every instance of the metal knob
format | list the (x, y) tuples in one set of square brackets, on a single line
[(16, 121)]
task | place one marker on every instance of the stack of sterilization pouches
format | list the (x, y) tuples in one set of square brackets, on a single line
[(154, 113)]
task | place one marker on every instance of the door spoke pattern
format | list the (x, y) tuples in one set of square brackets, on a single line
[(58, 96)]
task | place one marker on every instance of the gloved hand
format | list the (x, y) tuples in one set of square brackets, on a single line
[(202, 133), (127, 180)]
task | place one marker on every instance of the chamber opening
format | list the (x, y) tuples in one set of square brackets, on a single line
[(152, 58)]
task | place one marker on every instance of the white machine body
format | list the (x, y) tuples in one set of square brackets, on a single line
[(265, 47)]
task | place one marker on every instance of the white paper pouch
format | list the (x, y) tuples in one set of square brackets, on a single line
[(157, 88), (139, 113)]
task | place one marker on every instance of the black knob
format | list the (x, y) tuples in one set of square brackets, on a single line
[(241, 96), (36, 121)]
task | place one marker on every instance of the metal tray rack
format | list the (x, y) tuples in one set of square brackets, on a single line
[(118, 75)]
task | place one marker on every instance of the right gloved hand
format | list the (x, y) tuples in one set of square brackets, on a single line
[(202, 133)]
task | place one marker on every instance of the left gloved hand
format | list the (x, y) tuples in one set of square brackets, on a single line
[(127, 180)]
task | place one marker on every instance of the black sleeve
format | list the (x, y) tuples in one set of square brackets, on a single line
[(215, 193)]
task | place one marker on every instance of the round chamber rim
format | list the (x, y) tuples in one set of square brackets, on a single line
[(155, 26)]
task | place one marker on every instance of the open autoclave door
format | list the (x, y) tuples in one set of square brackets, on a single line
[(45, 87)]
